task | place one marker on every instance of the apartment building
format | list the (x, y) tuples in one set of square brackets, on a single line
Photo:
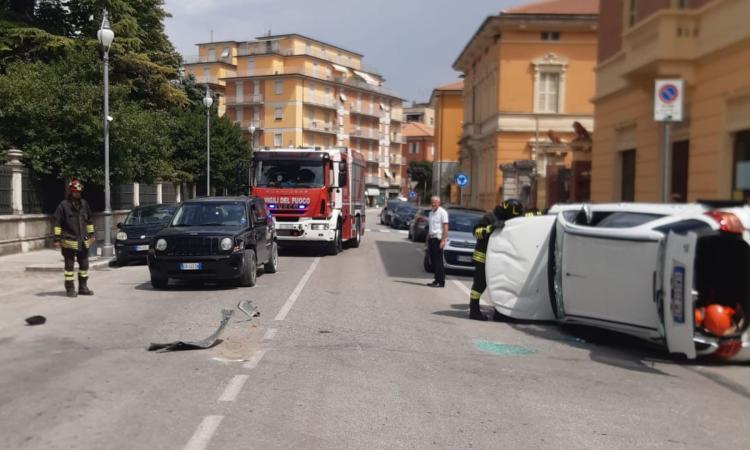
[(527, 116), (447, 102), (293, 90), (420, 112), (420, 142), (706, 43)]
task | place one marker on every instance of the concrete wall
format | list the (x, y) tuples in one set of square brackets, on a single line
[(26, 232)]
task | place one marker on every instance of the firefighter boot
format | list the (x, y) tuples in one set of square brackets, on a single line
[(70, 289), (474, 312), (83, 288)]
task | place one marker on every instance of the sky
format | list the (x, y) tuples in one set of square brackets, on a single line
[(412, 43)]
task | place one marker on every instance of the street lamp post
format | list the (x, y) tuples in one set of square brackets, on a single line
[(207, 102), (105, 35)]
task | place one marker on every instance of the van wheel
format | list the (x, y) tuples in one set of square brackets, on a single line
[(354, 243), (249, 270), (335, 247), (272, 266)]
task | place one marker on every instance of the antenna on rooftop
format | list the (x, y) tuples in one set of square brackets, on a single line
[(212, 35)]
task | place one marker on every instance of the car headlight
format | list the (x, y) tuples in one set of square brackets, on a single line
[(226, 244), (161, 245), (122, 236), (319, 226)]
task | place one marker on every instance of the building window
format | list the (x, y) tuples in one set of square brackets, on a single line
[(632, 12), (211, 55), (277, 87), (550, 35), (250, 66), (238, 92), (278, 114), (680, 159), (206, 74), (683, 4), (547, 98), (627, 176), (277, 139), (238, 116), (225, 53), (549, 83), (308, 50), (413, 148)]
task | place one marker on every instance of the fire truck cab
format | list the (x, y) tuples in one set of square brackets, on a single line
[(316, 196)]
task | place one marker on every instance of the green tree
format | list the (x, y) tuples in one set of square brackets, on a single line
[(421, 171)]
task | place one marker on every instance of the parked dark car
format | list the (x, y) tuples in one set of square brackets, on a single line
[(459, 246), (387, 212), (135, 233), (402, 215), (418, 227), (215, 239)]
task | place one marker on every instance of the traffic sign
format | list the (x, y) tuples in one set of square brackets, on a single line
[(668, 100), (412, 194), (461, 179), (413, 184)]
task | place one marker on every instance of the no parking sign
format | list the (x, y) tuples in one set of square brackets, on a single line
[(668, 100)]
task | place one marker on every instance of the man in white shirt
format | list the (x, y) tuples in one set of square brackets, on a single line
[(436, 238)]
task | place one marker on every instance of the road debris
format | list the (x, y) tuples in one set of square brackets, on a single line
[(35, 320), (195, 345), (250, 310)]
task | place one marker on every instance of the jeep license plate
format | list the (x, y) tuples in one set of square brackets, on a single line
[(191, 266), (141, 248), (464, 259), (677, 305)]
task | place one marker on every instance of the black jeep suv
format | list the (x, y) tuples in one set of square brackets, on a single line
[(215, 239)]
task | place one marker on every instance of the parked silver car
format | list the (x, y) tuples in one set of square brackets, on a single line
[(459, 247)]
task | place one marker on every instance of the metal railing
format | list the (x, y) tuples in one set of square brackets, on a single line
[(326, 103), (6, 206), (397, 116), (198, 59), (324, 127), (372, 157), (373, 180), (366, 133), (370, 110)]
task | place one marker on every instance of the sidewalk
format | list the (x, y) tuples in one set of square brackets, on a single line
[(47, 260)]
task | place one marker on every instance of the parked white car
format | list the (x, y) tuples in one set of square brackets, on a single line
[(660, 272)]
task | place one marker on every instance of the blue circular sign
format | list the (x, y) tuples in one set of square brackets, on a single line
[(462, 179), (669, 93), (412, 194)]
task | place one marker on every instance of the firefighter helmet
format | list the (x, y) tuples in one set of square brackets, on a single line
[(718, 319), (75, 185), (509, 209)]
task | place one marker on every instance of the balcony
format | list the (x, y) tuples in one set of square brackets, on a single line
[(397, 116), (372, 157), (371, 179), (397, 159), (397, 138), (664, 44), (255, 99), (198, 59), (370, 111), (328, 103), (366, 133), (319, 126)]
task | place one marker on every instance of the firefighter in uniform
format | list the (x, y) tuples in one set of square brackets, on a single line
[(482, 231), (74, 233)]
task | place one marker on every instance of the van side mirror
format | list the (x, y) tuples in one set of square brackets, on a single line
[(343, 174)]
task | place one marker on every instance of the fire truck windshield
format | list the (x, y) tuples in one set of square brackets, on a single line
[(289, 174)]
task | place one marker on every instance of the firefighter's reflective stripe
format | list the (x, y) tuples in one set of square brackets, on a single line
[(69, 276), (479, 256), (69, 244), (87, 243), (480, 232), (474, 295), (57, 231), (90, 229), (83, 274)]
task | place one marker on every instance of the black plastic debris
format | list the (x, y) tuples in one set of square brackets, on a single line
[(35, 320), (195, 345), (250, 310)]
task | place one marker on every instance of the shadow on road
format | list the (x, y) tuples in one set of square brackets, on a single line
[(51, 294), (176, 285), (400, 260)]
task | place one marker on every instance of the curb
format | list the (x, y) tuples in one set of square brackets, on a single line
[(94, 264)]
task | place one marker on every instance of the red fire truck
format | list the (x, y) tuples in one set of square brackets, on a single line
[(315, 195)]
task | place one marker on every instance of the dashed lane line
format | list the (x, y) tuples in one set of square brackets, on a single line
[(253, 363), (295, 294), (233, 388), (203, 433)]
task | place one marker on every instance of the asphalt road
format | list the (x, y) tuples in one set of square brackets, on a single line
[(351, 351)]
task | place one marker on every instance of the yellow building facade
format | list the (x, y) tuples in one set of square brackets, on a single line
[(706, 43), (447, 103), (296, 91), (528, 80)]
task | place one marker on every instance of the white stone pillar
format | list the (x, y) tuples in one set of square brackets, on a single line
[(16, 181), (158, 193), (136, 194), (178, 192), (195, 191)]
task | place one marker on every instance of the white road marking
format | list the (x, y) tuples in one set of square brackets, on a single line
[(467, 291), (253, 363), (293, 297), (270, 334), (233, 388), (203, 434)]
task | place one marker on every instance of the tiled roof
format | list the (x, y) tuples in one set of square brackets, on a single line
[(417, 129), (457, 86), (557, 7)]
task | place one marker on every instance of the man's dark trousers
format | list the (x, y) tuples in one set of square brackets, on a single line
[(436, 257)]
